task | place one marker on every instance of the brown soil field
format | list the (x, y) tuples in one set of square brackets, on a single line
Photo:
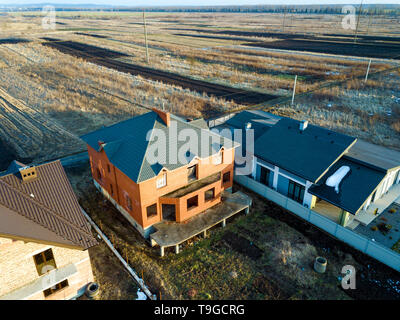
[(371, 50), (91, 53)]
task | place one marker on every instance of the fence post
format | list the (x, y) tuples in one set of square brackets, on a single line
[(336, 229), (366, 246)]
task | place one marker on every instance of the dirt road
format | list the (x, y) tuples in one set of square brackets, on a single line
[(31, 133)]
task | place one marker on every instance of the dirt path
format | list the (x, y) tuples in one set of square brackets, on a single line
[(32, 134), (92, 54)]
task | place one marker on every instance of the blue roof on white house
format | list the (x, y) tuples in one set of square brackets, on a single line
[(307, 153)]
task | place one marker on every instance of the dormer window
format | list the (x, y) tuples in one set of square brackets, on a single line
[(162, 182), (217, 159)]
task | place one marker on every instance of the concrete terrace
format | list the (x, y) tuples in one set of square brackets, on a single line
[(386, 217), (170, 234), (366, 217)]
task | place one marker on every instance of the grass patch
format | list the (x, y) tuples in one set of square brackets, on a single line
[(396, 247)]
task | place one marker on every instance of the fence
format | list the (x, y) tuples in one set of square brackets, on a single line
[(359, 242), (213, 122)]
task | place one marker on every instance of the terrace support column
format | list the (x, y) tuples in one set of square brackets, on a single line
[(205, 233), (223, 223), (162, 251), (177, 249), (276, 175)]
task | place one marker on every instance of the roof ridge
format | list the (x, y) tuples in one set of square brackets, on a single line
[(147, 147), (50, 211)]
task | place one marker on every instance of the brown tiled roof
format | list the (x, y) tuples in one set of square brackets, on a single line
[(48, 201)]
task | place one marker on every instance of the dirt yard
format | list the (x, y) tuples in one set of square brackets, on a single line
[(268, 254), (114, 281)]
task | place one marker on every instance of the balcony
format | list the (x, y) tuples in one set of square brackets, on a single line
[(193, 186)]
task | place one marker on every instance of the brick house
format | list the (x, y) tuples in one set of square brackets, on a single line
[(148, 193), (44, 236)]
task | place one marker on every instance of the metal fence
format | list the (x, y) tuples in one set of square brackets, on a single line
[(213, 122), (359, 242)]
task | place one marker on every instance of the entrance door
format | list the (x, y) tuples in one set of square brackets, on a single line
[(168, 212)]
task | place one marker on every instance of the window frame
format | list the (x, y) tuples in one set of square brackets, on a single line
[(192, 206), (155, 213), (267, 176), (128, 202), (46, 261), (296, 191), (213, 195), (223, 177), (59, 286), (220, 157), (163, 180), (195, 173)]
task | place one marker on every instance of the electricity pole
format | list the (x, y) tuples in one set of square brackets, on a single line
[(369, 65), (294, 89), (145, 37), (283, 22), (369, 22), (358, 21)]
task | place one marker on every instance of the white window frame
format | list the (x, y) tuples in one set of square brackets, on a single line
[(218, 158), (162, 182)]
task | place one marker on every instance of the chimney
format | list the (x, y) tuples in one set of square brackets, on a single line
[(303, 125), (164, 115), (28, 173)]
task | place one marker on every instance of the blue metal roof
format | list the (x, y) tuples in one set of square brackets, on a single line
[(308, 153)]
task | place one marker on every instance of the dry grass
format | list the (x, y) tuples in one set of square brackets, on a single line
[(80, 96)]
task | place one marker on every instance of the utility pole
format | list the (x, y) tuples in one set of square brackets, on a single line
[(369, 65), (294, 89), (369, 22), (145, 37), (283, 22), (358, 21)]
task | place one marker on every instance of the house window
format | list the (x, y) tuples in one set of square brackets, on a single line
[(108, 168), (264, 176), (217, 159), (296, 191), (226, 178), (111, 189), (128, 202), (44, 262), (55, 288), (151, 210), (192, 202), (98, 172), (162, 182), (209, 194), (192, 173)]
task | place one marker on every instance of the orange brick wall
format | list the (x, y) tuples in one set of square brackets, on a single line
[(145, 193)]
